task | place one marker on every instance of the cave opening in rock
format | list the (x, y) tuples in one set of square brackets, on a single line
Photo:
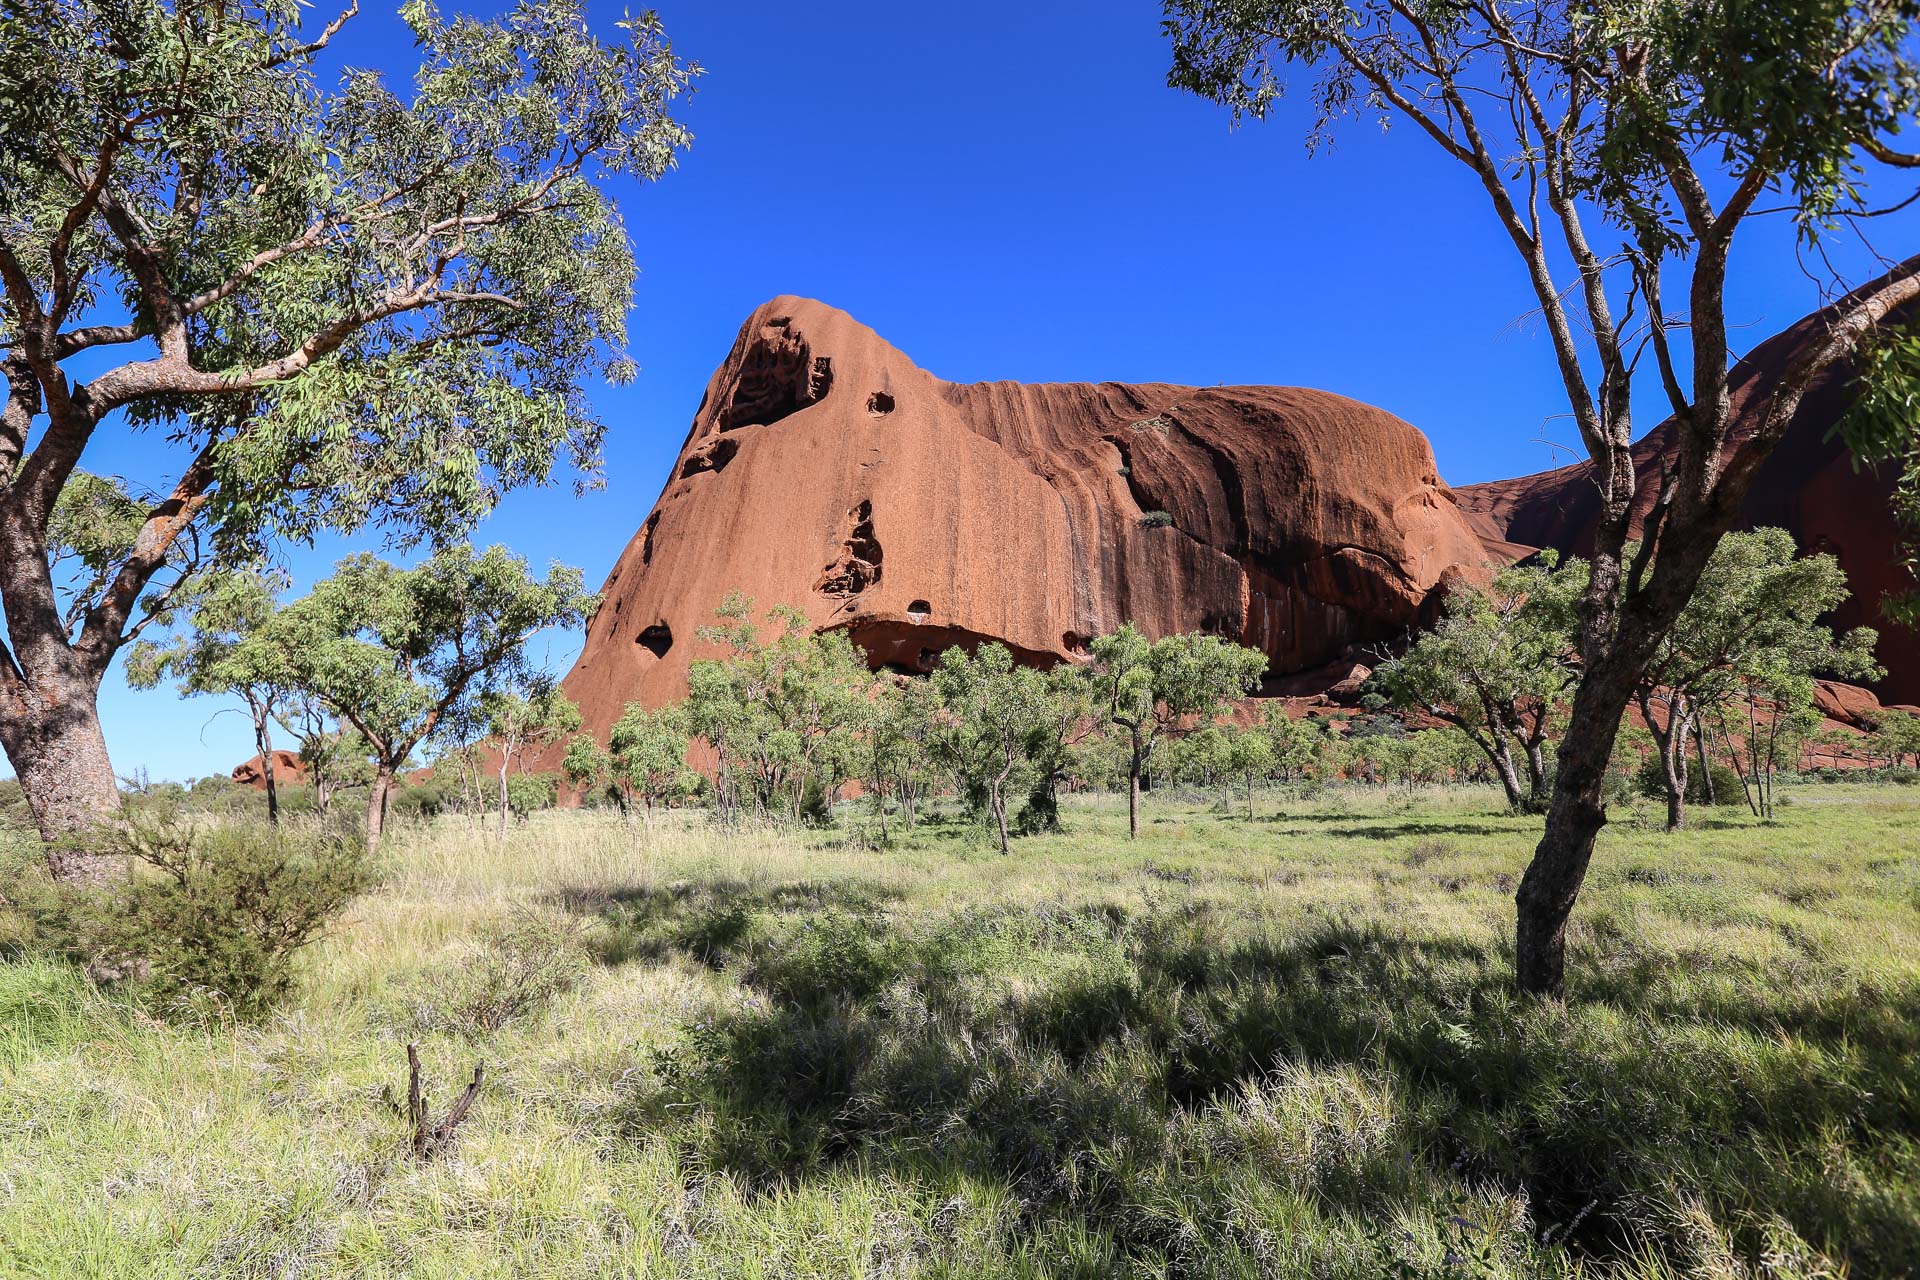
[(919, 610), (656, 639), (879, 404), (714, 457)]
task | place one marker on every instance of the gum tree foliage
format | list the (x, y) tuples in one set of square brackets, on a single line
[(395, 652), (1621, 146), (895, 760), (1153, 690), (989, 707), (519, 722), (220, 647), (1066, 723), (341, 302), (1751, 632), (1253, 754), (1897, 738), (645, 758), (781, 711), (1497, 666)]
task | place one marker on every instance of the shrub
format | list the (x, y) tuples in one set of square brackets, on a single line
[(215, 912), (1156, 520), (527, 792), (518, 968), (1651, 782)]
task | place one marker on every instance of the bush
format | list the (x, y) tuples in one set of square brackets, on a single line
[(519, 968), (1156, 520), (527, 792), (206, 912), (1651, 780)]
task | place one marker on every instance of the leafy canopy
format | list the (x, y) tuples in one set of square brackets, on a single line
[(344, 301), (395, 651)]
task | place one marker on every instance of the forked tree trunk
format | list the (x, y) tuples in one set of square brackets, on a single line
[(1706, 766), (264, 741), (57, 748), (377, 806), (1503, 767), (1574, 818), (1537, 784), (503, 796)]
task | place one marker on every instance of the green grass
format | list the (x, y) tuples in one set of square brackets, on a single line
[(1283, 1047)]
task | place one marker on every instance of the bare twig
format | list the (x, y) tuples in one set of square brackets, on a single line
[(429, 1139)]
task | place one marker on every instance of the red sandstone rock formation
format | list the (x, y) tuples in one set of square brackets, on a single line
[(287, 771), (1810, 486), (825, 470)]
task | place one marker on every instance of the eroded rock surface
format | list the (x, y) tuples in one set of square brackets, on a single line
[(827, 471)]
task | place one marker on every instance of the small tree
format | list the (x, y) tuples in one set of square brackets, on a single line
[(780, 711), (1751, 631), (522, 722), (397, 651), (1251, 756), (989, 708), (896, 752), (1496, 666), (1897, 737), (1158, 689), (649, 754), (332, 757), (220, 650), (1067, 721)]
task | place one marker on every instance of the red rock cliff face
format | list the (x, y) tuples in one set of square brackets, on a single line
[(825, 470), (1810, 486)]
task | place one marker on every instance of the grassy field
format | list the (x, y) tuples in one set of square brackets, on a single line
[(1282, 1047)]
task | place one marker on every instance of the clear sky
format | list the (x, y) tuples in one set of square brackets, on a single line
[(1016, 194)]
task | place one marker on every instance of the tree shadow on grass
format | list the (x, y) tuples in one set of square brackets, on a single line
[(1082, 1061), (1390, 833), (709, 920)]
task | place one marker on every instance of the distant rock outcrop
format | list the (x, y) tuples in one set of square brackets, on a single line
[(287, 771), (825, 470), (1810, 485)]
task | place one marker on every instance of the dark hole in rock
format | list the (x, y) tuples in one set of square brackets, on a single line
[(879, 404), (713, 457), (657, 638), (646, 538), (779, 375), (1073, 642), (857, 567), (919, 610)]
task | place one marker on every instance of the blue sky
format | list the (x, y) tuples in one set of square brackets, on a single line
[(1016, 195)]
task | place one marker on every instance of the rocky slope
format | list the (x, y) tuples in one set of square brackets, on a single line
[(1810, 485), (825, 470)]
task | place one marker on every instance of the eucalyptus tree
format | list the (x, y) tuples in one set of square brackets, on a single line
[(896, 746), (1066, 722), (520, 721), (1753, 632), (782, 707), (989, 707), (1251, 756), (341, 303), (398, 651), (1498, 665), (219, 647), (1153, 690), (1621, 147), (645, 758)]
